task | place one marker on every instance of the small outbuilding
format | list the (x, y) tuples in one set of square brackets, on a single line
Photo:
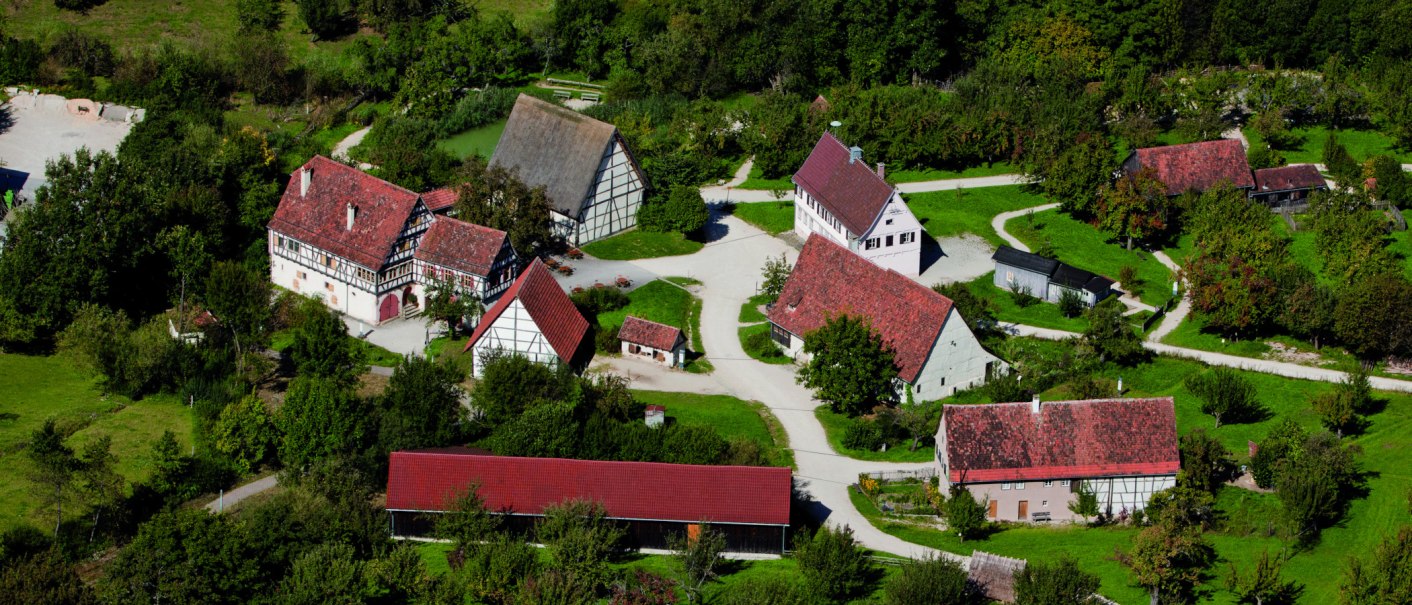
[(1287, 185), (661, 343), (1046, 278)]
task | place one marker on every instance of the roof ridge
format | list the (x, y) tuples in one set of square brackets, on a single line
[(362, 175), (596, 462)]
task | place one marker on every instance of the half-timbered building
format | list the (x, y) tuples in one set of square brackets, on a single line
[(594, 184), (536, 319), (1027, 461), (353, 240), (839, 197)]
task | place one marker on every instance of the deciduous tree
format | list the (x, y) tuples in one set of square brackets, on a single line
[(54, 468), (322, 347), (775, 273), (1225, 395), (964, 514), (1058, 582), (1110, 336), (834, 566), (931, 580), (1262, 585), (99, 483), (581, 540), (495, 197), (421, 406), (1206, 464), (447, 302), (851, 368), (320, 419), (1134, 208), (246, 433), (1383, 578), (1169, 562), (698, 559)]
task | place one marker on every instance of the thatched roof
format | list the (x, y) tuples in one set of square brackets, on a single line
[(995, 575), (553, 147)]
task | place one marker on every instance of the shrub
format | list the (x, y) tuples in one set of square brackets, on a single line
[(1225, 395), (606, 340), (478, 109), (19, 60), (258, 15), (600, 300), (965, 515), (1071, 304), (833, 566), (760, 345), (86, 52), (1022, 295), (931, 580), (863, 434)]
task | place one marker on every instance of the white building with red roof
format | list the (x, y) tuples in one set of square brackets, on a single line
[(838, 196), (1028, 460), (355, 241), (661, 343), (653, 501), (536, 319), (935, 351)]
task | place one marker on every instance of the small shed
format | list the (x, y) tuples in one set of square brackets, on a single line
[(1046, 278), (995, 575), (661, 343), (1287, 185), (655, 415)]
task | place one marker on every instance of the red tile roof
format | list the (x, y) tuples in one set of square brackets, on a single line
[(320, 217), (1198, 166), (550, 308), (427, 481), (439, 199), (1285, 178), (649, 333), (830, 280), (1066, 440), (852, 191), (462, 246)]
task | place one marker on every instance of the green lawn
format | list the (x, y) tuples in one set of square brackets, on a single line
[(480, 141), (451, 350), (642, 244), (835, 424), (756, 180), (951, 213), (1042, 314), (657, 301), (729, 417), (1361, 144), (1085, 247), (773, 218), (750, 311), (763, 328), (40, 388)]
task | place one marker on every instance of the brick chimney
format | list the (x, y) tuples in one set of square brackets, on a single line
[(305, 175), (882, 172), (352, 214)]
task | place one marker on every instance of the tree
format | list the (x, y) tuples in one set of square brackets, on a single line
[(322, 347), (405, 152), (187, 251), (931, 580), (445, 302), (1339, 163), (1136, 207), (421, 406), (1071, 304), (775, 274), (1372, 316), (1225, 395), (965, 515), (1182, 507), (1264, 156), (1110, 335), (834, 567), (320, 419), (1385, 577), (510, 384), (1262, 584), (1059, 582), (54, 468), (682, 211), (1206, 464), (1078, 175), (851, 368), (258, 15), (1231, 292), (327, 573), (43, 578), (325, 18), (914, 420), (246, 433), (1393, 183), (99, 483), (495, 197), (1085, 502), (979, 312), (581, 540), (466, 521), (698, 559), (184, 556), (1169, 561), (240, 300)]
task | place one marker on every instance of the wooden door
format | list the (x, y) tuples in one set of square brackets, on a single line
[(994, 508), (388, 309), (1024, 510)]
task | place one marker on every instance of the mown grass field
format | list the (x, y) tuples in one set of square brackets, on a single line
[(480, 141), (750, 311), (1319, 568), (1361, 144), (746, 332), (728, 416), (637, 244), (656, 301), (1085, 247), (36, 389), (952, 213), (773, 218), (1042, 314), (836, 424)]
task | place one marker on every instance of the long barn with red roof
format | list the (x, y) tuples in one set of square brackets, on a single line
[(652, 501), (1028, 460), (935, 351)]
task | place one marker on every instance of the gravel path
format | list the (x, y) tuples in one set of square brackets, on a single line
[(1178, 314), (233, 497), (340, 151), (998, 223)]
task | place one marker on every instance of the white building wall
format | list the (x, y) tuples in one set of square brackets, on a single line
[(612, 202), (811, 217), (895, 223), (310, 279), (514, 331), (957, 361)]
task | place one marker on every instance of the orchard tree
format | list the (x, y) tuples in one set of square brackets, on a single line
[(1079, 174), (1385, 577), (184, 556), (446, 302), (99, 484), (775, 273), (246, 433), (1058, 582), (1226, 395), (1206, 464), (834, 566), (1170, 562), (320, 419), (964, 514), (1261, 585), (1340, 163), (257, 16), (978, 311), (682, 211), (850, 368), (698, 559), (327, 19), (581, 540), (54, 465), (1136, 207), (1232, 294), (931, 579), (1110, 336)]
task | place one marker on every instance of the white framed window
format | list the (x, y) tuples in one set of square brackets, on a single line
[(1020, 485), (1064, 483), (1004, 487), (871, 243), (1044, 503), (1049, 484), (907, 238), (1009, 277)]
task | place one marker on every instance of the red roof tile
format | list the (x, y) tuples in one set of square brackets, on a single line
[(319, 218), (439, 199), (1198, 166), (649, 333), (424, 481), (1066, 440), (830, 280), (852, 191), (1285, 178), (462, 246), (550, 308)]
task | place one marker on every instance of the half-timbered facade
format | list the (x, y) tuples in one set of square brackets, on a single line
[(351, 240), (1027, 461), (533, 318), (594, 184), (839, 197), (477, 260)]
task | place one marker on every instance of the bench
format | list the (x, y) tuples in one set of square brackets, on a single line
[(563, 94), (591, 97), (1040, 517)]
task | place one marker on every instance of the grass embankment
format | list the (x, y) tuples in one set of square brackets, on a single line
[(1039, 313), (1085, 247), (637, 244), (36, 389), (836, 424), (952, 213), (1248, 514), (750, 311), (767, 351), (729, 417), (1361, 144), (773, 218)]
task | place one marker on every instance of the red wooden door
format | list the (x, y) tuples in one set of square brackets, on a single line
[(388, 309)]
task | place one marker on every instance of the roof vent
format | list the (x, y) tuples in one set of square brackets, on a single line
[(855, 154), (305, 175), (1034, 405), (352, 214)]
